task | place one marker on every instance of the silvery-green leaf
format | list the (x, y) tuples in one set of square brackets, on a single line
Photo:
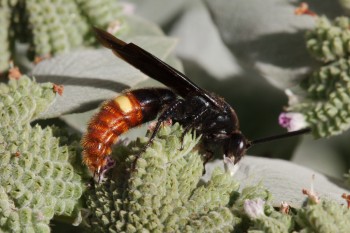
[(203, 45), (138, 26), (267, 36), (158, 11), (91, 76), (321, 155), (285, 180)]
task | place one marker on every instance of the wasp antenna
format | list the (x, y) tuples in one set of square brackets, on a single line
[(279, 136), (108, 40)]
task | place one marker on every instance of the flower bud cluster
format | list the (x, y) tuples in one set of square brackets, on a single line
[(329, 41), (37, 178), (53, 26), (327, 216), (22, 100), (163, 193), (325, 104)]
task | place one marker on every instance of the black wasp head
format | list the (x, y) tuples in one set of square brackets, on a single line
[(235, 147)]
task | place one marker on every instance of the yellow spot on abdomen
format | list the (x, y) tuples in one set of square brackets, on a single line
[(124, 103)]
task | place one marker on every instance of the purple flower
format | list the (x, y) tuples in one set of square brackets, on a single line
[(254, 208), (292, 121)]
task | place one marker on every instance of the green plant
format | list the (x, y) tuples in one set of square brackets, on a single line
[(53, 27), (38, 174)]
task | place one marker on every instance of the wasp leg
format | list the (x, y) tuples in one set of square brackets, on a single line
[(207, 157), (167, 113), (97, 176), (197, 119)]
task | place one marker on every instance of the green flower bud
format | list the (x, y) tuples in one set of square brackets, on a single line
[(327, 216), (329, 41)]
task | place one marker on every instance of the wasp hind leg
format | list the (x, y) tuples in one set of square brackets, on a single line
[(209, 154), (169, 112)]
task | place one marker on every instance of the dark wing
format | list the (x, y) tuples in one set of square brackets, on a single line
[(152, 66)]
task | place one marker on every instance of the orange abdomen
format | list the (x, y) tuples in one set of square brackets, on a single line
[(118, 116)]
